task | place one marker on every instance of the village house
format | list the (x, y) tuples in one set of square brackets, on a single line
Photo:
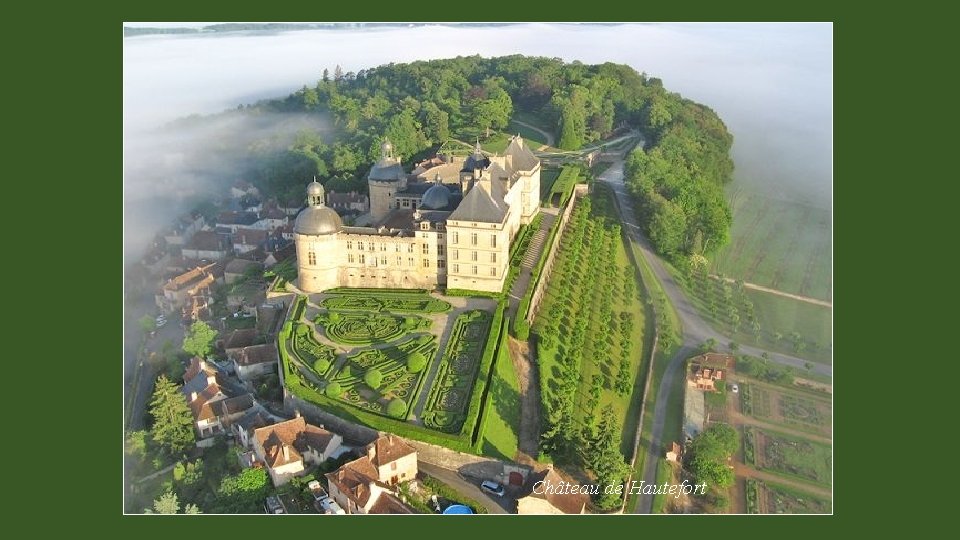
[(287, 447), (674, 452), (206, 245), (351, 202), (708, 368), (179, 292), (539, 498), (270, 218), (238, 339), (183, 229), (254, 361), (243, 188), (231, 221), (245, 240), (366, 485), (212, 403)]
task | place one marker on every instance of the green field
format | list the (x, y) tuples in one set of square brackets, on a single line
[(770, 321), (547, 177), (594, 282), (503, 424), (531, 138), (778, 244)]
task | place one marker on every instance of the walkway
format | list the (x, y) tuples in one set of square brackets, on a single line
[(530, 259), (465, 488), (547, 137), (754, 286), (744, 471)]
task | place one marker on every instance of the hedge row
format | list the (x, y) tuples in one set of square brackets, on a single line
[(476, 294), (521, 328), (479, 392)]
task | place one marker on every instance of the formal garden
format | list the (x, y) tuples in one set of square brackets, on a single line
[(768, 498), (787, 455), (379, 374), (447, 404)]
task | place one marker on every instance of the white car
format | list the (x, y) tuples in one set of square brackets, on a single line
[(492, 487), (735, 388), (161, 320)]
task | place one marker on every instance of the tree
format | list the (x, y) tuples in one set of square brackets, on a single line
[(199, 339), (605, 458), (167, 504), (321, 365), (734, 347), (243, 492), (711, 449), (808, 366), (148, 324), (397, 408), (373, 378), (333, 390), (192, 509), (172, 420), (416, 362)]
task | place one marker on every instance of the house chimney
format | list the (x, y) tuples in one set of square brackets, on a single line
[(193, 396), (286, 453), (372, 450), (211, 379), (296, 413)]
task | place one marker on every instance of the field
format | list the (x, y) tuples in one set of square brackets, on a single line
[(769, 498), (779, 244), (795, 409), (787, 455), (591, 324), (759, 318)]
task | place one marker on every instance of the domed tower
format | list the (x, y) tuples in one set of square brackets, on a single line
[(315, 234), (386, 178), (437, 197)]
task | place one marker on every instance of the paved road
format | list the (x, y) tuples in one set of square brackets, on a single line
[(493, 504), (695, 330)]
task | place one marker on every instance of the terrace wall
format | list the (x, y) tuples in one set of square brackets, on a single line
[(541, 286)]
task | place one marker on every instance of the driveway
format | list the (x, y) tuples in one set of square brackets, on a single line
[(471, 489)]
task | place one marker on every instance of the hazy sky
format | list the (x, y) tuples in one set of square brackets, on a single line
[(771, 83)]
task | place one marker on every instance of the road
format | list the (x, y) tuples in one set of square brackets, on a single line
[(142, 383), (695, 330), (547, 137), (493, 504)]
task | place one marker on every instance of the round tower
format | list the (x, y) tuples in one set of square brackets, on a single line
[(315, 233), (386, 178)]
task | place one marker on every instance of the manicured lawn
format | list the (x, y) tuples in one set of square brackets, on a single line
[(500, 434), (664, 474), (531, 138)]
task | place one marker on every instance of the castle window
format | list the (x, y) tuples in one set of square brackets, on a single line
[(405, 203), (349, 244), (363, 259), (397, 248), (383, 260), (473, 239), (409, 261), (440, 249), (441, 263), (493, 257), (351, 258), (493, 240), (456, 254), (493, 272), (383, 246), (426, 249), (473, 256), (372, 247), (399, 261), (474, 269), (410, 247), (360, 246), (426, 263), (311, 258), (456, 237), (456, 268)]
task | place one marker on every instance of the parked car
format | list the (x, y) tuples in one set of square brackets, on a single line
[(735, 388), (161, 321), (492, 487)]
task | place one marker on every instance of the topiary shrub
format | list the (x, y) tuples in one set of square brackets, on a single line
[(416, 362), (321, 365), (333, 390), (397, 408), (373, 378), (334, 317)]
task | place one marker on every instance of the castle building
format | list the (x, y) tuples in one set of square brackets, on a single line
[(425, 234)]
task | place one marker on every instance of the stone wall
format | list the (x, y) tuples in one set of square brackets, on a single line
[(541, 286), (353, 434)]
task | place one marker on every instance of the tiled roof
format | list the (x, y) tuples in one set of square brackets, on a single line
[(295, 434), (239, 266), (388, 504), (256, 354), (234, 405), (566, 503), (523, 158), (390, 448), (205, 241), (240, 338), (354, 478), (483, 203)]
